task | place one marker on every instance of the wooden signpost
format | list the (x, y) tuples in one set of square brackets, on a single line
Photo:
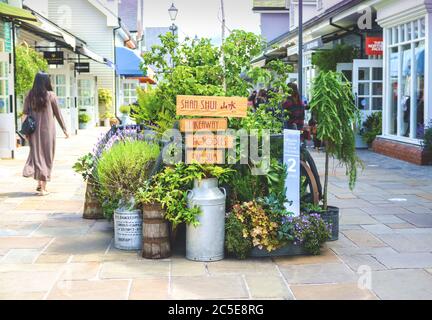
[(202, 106), (209, 141), (205, 156), (205, 147), (204, 124)]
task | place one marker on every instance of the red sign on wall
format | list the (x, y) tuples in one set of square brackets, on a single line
[(374, 46)]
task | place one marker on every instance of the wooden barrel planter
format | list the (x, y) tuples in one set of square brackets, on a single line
[(156, 234), (92, 207)]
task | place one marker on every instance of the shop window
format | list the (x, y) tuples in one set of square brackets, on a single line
[(129, 93), (406, 61)]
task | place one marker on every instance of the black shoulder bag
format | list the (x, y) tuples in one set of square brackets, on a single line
[(29, 125)]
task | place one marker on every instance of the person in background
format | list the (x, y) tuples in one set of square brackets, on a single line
[(252, 100), (41, 104), (262, 97), (295, 108)]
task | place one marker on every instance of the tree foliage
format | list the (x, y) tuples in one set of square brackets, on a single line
[(28, 63)]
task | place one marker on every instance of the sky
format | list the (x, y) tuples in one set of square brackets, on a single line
[(201, 17)]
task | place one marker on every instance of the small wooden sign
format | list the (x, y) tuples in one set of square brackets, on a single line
[(235, 107), (205, 156), (209, 141), (204, 124)]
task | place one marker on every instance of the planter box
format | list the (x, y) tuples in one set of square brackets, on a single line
[(288, 250)]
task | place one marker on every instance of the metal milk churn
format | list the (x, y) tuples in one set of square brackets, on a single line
[(206, 241)]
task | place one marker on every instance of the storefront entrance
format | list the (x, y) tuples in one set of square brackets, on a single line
[(7, 117), (87, 97), (366, 76), (64, 88)]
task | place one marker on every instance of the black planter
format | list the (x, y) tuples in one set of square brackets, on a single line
[(331, 216), (289, 250)]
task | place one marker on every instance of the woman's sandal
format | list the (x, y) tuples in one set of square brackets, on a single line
[(44, 193)]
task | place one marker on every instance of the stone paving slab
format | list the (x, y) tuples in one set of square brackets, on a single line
[(209, 287), (345, 291), (156, 288), (420, 220), (406, 260), (402, 285), (268, 287), (91, 290), (318, 274)]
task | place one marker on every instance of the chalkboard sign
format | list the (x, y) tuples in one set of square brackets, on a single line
[(82, 67)]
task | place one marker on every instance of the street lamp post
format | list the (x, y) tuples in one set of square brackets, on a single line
[(300, 49), (173, 12)]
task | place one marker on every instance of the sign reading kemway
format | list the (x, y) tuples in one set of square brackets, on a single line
[(202, 106)]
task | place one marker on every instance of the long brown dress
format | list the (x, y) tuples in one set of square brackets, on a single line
[(43, 140)]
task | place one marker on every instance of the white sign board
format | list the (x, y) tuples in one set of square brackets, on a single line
[(292, 161)]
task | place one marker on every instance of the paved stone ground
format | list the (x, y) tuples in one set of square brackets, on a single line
[(48, 252)]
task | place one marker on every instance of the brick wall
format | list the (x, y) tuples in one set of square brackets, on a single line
[(402, 151)]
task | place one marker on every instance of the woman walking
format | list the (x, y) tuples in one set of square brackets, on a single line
[(41, 104), (296, 109)]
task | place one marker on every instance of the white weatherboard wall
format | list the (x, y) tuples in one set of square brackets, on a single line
[(84, 20)]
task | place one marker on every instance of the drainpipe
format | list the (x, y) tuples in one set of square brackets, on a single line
[(115, 62)]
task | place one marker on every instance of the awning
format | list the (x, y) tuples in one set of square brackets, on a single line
[(128, 63), (91, 55), (12, 12)]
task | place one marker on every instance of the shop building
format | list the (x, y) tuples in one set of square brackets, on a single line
[(389, 35), (10, 14), (98, 24)]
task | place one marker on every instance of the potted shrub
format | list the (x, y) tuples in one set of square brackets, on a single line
[(105, 99), (333, 104), (106, 118), (372, 128), (86, 166), (84, 120), (125, 111), (427, 144), (121, 171)]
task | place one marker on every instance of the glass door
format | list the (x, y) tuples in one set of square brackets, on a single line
[(368, 86), (7, 117), (60, 87), (87, 97)]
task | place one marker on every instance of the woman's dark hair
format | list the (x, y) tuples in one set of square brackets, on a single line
[(38, 95), (294, 93)]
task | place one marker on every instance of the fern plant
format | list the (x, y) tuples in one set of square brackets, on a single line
[(333, 104)]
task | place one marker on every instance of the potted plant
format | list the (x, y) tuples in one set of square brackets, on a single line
[(107, 119), (125, 111), (333, 104), (86, 166), (105, 98), (84, 120), (427, 143), (372, 128), (121, 171)]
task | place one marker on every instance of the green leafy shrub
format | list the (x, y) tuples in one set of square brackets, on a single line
[(235, 242), (333, 104), (28, 63), (84, 118), (85, 166), (372, 127), (105, 97), (125, 110), (122, 170), (327, 60), (169, 188), (310, 231)]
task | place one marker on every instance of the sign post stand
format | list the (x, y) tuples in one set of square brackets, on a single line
[(292, 161)]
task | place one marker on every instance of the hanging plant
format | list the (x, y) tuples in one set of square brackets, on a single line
[(327, 60)]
